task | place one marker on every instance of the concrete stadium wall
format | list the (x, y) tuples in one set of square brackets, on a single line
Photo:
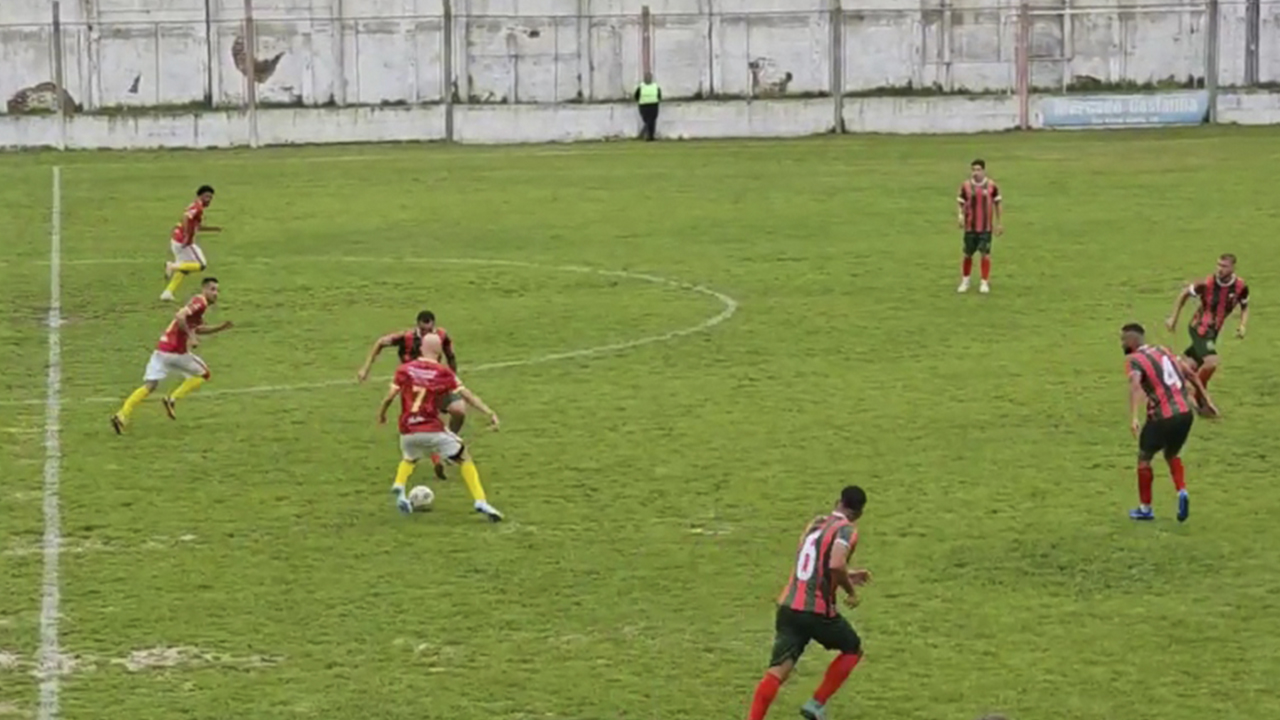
[(553, 122), (176, 73), (371, 52)]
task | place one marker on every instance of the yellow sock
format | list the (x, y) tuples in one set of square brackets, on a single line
[(188, 268), (132, 401), (187, 387), (471, 476), (176, 280), (403, 472)]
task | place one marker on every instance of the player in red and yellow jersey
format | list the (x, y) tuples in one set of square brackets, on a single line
[(188, 258), (408, 344), (1219, 294), (1158, 382), (980, 218), (173, 354), (422, 385), (807, 606)]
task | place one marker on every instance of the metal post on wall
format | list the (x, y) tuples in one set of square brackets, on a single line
[(447, 53), (250, 60), (948, 31), (646, 40), (1252, 28), (1022, 58), (58, 76), (1211, 60), (340, 45), (1068, 45), (210, 47), (837, 65)]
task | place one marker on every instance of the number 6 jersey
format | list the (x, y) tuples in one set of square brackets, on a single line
[(811, 587)]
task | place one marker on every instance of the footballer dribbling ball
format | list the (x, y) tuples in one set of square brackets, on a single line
[(421, 497)]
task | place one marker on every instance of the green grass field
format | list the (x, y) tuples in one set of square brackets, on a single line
[(247, 562)]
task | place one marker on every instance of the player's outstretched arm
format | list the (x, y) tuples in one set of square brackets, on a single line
[(383, 342), (181, 318), (1172, 322), (474, 401), (386, 403), (202, 330)]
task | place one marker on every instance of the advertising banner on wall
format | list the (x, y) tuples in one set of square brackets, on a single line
[(1169, 108)]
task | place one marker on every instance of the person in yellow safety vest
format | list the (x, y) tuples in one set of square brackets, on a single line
[(648, 97)]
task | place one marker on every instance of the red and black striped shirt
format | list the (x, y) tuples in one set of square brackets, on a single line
[(811, 587), (409, 343), (1217, 301), (1161, 379), (978, 203)]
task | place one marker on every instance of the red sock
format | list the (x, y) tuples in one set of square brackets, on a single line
[(435, 458), (1145, 478), (968, 266), (986, 268), (1179, 474), (766, 691), (837, 671), (1206, 372)]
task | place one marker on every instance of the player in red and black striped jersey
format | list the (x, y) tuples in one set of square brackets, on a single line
[(1219, 295), (1158, 383), (807, 606), (408, 345), (980, 218)]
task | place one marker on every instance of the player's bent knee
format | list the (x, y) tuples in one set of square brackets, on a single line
[(460, 456)]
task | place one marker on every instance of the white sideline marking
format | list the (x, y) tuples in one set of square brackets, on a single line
[(730, 307), (50, 665), (435, 151), (156, 658)]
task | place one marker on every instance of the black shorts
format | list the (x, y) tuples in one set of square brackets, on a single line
[(977, 242), (1202, 345), (793, 629), (1165, 434)]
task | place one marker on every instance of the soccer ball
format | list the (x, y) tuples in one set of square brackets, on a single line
[(421, 497)]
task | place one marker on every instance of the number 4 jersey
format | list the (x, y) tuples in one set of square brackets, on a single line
[(422, 385), (811, 587), (1162, 381)]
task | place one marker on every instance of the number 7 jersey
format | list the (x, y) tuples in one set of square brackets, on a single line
[(811, 587), (422, 385)]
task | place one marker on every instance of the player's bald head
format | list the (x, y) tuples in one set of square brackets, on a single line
[(431, 347)]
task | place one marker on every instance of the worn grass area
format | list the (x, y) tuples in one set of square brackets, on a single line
[(246, 561)]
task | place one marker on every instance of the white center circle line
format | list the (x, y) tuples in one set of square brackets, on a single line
[(729, 307)]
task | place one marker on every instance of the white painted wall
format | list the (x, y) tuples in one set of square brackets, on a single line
[(534, 123), (372, 52)]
